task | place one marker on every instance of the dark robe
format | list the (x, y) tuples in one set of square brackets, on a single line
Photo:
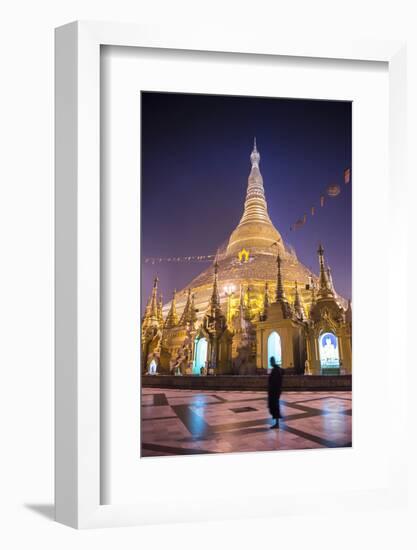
[(274, 392)]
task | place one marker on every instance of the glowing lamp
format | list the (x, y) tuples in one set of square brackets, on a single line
[(229, 290)]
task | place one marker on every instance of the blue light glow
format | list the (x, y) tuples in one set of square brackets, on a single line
[(274, 348), (329, 351), (200, 355)]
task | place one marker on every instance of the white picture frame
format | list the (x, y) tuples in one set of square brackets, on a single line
[(78, 406)]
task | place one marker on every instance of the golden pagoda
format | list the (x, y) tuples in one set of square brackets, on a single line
[(249, 259), (214, 325)]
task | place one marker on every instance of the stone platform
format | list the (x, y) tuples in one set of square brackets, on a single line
[(291, 382), (190, 422)]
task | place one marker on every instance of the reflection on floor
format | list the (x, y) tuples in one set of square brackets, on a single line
[(192, 422)]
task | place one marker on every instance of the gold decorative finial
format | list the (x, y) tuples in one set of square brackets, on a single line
[(280, 294), (255, 157), (325, 289), (154, 300), (215, 297), (172, 317)]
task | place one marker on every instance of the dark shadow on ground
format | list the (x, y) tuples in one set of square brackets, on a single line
[(45, 510)]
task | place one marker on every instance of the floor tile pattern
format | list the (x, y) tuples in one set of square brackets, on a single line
[(184, 422)]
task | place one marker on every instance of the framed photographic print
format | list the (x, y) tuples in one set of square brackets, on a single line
[(221, 261), (248, 315)]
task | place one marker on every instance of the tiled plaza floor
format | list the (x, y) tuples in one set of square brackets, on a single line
[(192, 422)]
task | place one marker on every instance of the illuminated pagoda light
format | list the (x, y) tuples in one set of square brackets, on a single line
[(256, 258)]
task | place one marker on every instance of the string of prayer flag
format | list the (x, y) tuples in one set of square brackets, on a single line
[(332, 191)]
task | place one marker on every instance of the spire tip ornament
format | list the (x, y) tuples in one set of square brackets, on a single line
[(255, 229), (255, 157)]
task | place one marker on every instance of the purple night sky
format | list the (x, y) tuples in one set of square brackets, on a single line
[(195, 167)]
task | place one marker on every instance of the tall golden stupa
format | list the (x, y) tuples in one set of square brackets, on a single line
[(249, 259), (256, 285)]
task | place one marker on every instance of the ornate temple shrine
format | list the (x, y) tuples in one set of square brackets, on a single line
[(256, 301)]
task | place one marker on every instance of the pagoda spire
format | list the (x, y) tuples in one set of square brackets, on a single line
[(215, 297), (153, 308), (313, 293), (256, 209), (189, 314), (146, 316), (325, 290), (280, 293), (266, 296), (255, 157), (266, 301), (147, 313), (348, 313), (249, 234), (214, 322), (330, 278), (280, 297), (160, 314), (193, 314), (312, 297), (172, 317), (186, 314), (151, 317), (298, 306), (239, 320)]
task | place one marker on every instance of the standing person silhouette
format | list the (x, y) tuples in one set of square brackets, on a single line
[(274, 392)]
